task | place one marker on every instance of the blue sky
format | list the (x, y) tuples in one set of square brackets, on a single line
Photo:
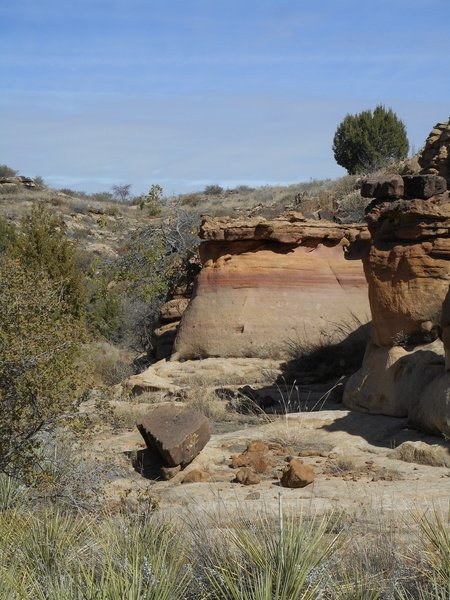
[(187, 93)]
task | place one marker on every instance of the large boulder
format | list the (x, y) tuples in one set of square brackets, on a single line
[(268, 285), (177, 434)]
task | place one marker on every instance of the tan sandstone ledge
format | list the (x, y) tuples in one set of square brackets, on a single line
[(266, 285), (292, 228)]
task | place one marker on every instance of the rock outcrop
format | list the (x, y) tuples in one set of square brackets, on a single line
[(408, 272), (16, 181), (435, 157), (266, 284)]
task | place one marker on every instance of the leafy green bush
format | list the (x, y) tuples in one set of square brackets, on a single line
[(39, 372), (368, 141)]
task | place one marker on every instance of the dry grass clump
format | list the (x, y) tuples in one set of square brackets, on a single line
[(111, 364)]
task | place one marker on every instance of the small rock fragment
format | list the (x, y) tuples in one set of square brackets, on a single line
[(246, 476), (297, 475)]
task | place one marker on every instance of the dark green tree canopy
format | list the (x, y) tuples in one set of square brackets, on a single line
[(370, 140)]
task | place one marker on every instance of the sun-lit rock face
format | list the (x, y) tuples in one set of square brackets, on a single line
[(405, 372), (266, 286)]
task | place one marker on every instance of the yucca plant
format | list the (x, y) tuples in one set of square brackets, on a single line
[(52, 555), (271, 560)]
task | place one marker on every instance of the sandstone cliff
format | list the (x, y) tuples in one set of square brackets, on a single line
[(408, 272), (267, 283)]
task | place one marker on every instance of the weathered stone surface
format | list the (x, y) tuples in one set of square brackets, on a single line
[(265, 284), (435, 157), (247, 476), (422, 453), (165, 337), (407, 269), (177, 434), (424, 186), (387, 186), (392, 376), (149, 381), (196, 476), (173, 309), (297, 474)]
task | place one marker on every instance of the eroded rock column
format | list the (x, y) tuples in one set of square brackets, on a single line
[(405, 372)]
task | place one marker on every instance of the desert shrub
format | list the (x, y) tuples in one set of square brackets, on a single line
[(352, 207), (191, 199), (113, 211), (370, 140), (244, 189), (39, 181), (110, 364), (43, 247), (213, 190), (10, 189), (154, 262), (39, 350), (8, 236), (151, 201), (104, 310), (121, 192), (6, 171), (68, 192), (102, 197)]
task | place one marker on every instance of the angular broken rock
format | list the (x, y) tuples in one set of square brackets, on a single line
[(176, 433), (424, 186), (297, 475), (388, 186)]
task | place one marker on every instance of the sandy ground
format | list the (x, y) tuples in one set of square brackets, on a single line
[(351, 453)]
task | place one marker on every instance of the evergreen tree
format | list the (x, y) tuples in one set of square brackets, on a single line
[(370, 140)]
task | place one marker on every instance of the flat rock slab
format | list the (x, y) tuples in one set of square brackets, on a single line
[(176, 433)]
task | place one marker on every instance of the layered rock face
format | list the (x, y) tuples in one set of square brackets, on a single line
[(267, 284), (408, 271)]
